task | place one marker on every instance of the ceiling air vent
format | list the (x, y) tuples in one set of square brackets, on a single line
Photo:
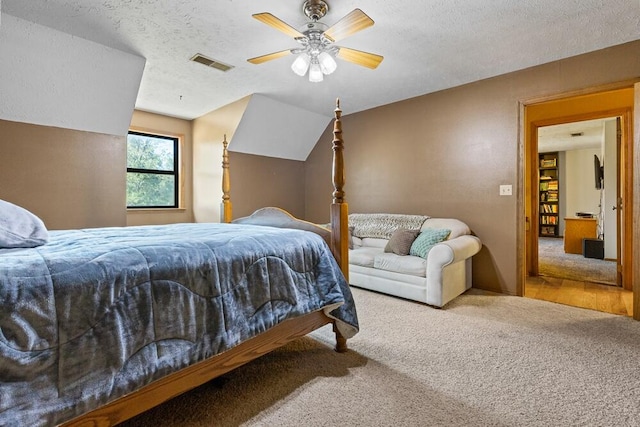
[(210, 62)]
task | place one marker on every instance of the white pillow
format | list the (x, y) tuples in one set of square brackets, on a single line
[(19, 228)]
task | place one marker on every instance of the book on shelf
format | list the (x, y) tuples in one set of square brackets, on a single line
[(548, 163), (549, 185)]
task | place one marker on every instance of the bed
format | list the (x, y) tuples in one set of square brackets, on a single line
[(99, 325)]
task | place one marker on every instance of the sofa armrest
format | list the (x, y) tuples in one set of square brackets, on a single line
[(452, 251), (448, 271)]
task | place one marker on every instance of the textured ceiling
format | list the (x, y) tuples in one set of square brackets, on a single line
[(427, 45), (572, 136)]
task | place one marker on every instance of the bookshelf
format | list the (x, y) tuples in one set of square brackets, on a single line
[(549, 220)]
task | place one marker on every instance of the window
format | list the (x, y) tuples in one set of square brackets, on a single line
[(152, 171)]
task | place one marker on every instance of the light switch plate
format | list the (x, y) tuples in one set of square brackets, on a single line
[(506, 190)]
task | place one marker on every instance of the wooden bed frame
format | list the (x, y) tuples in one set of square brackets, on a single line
[(193, 376)]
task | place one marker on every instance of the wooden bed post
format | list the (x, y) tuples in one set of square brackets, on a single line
[(339, 208), (339, 213), (225, 208)]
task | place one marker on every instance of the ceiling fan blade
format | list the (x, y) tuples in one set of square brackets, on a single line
[(350, 24), (278, 24), (269, 57), (366, 59)]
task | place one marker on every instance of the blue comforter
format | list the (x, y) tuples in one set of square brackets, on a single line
[(98, 313)]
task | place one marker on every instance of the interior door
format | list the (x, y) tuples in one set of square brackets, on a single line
[(619, 198)]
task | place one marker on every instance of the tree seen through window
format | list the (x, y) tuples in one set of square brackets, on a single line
[(152, 171)]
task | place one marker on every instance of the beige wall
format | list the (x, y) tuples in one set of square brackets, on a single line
[(74, 179), (442, 154), (258, 181), (446, 154), (580, 190), (154, 123), (209, 131), (70, 179)]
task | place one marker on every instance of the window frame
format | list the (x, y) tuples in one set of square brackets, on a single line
[(175, 172)]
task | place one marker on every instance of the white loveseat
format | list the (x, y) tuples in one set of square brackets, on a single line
[(444, 274)]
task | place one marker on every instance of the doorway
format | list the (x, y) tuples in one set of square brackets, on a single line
[(594, 106), (583, 201)]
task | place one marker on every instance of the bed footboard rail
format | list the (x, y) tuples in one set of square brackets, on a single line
[(193, 376)]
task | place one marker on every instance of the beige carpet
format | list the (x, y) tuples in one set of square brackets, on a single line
[(554, 262), (483, 360)]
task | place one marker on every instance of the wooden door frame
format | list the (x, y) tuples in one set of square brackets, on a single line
[(612, 100)]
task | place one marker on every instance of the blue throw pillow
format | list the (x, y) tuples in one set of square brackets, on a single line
[(19, 228), (427, 239)]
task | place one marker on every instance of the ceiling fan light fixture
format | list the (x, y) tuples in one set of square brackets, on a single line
[(301, 64), (327, 63), (315, 73), (317, 54)]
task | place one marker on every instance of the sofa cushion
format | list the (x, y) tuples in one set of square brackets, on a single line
[(412, 265), (427, 239), (400, 241), (364, 256), (374, 242)]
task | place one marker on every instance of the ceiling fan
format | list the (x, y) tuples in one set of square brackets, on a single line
[(317, 52)]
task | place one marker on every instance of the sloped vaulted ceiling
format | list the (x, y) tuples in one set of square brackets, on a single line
[(427, 45), (274, 129), (55, 79)]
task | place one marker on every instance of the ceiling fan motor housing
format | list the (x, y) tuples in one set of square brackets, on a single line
[(315, 9), (313, 27), (314, 40)]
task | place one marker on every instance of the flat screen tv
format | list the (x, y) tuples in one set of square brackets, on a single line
[(598, 172)]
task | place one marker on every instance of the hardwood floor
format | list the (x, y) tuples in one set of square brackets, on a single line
[(593, 296)]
